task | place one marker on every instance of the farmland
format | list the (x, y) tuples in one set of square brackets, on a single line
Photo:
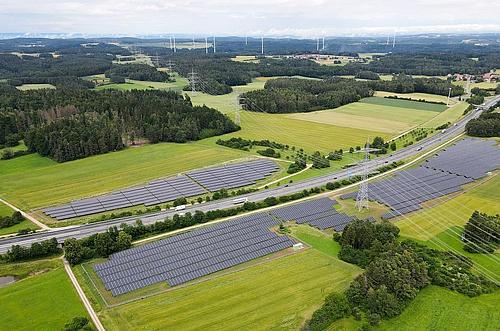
[(386, 115), (280, 293), (43, 301), (415, 96)]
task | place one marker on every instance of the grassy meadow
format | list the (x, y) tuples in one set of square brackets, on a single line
[(44, 300)]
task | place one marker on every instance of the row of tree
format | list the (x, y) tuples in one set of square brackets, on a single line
[(35, 251)]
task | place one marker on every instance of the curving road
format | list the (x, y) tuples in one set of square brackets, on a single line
[(84, 230)]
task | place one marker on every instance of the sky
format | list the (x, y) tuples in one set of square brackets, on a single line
[(301, 18)]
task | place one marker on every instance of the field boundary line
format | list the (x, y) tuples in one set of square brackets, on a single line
[(28, 216), (83, 297)]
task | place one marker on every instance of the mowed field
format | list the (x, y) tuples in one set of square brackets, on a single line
[(277, 294), (437, 308), (416, 96), (33, 181), (379, 114), (45, 301)]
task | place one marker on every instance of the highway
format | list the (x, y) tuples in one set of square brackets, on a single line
[(421, 147)]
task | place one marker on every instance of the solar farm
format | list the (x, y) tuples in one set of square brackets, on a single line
[(191, 184), (445, 173), (185, 257)]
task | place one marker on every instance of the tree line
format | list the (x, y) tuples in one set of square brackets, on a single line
[(68, 124)]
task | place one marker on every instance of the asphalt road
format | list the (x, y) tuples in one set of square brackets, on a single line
[(85, 230)]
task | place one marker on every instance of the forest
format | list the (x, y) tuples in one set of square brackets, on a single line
[(137, 71), (290, 95), (70, 124)]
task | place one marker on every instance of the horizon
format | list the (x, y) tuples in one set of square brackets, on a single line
[(287, 18)]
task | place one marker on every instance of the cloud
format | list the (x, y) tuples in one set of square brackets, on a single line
[(226, 17)]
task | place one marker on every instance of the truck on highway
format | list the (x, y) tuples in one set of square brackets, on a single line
[(180, 207), (240, 200)]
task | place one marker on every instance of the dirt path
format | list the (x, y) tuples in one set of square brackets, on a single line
[(83, 297)]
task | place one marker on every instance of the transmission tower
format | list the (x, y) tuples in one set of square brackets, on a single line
[(237, 118), (193, 79), (362, 197), (170, 65)]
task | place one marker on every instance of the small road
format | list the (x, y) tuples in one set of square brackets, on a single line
[(418, 148), (82, 296)]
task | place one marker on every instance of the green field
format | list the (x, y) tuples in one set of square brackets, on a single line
[(26, 87), (440, 226), (44, 301), (277, 294), (33, 181), (436, 308), (383, 115)]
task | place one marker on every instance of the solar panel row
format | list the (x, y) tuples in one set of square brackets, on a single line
[(190, 255), (445, 173), (168, 189), (233, 175)]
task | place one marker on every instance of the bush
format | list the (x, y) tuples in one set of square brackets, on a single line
[(78, 324), (374, 319), (8, 221), (335, 307), (269, 152)]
